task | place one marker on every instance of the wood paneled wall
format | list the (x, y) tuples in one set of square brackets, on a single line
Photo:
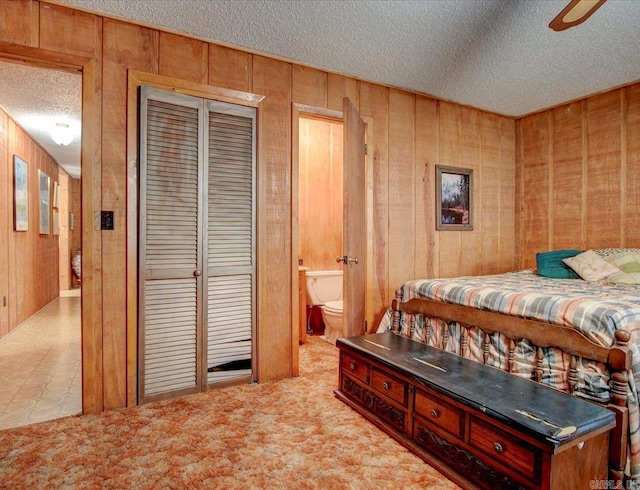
[(578, 166), (408, 135), (320, 193), (64, 255), (69, 235), (28, 260)]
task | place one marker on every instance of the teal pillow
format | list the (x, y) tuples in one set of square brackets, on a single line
[(550, 264)]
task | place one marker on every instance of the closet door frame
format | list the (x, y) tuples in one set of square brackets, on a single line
[(135, 80)]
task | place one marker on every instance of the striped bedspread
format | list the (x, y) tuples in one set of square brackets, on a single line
[(596, 309)]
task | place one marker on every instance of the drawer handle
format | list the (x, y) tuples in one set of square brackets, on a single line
[(352, 366), (498, 447), (386, 385), (434, 413)]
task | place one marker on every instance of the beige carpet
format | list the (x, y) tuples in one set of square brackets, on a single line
[(289, 434)]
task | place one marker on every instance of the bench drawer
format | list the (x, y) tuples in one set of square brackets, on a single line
[(355, 367), (440, 413), (390, 386), (506, 449)]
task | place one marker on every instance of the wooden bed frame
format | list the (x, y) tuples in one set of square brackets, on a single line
[(541, 334)]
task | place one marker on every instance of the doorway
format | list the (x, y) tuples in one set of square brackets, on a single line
[(320, 212), (330, 220), (40, 317)]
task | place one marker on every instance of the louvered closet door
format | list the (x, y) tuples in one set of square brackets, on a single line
[(197, 244), (171, 197), (230, 241)]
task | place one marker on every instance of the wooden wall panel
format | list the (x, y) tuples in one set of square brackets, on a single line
[(603, 170), (70, 31), (520, 214), (183, 57), (401, 189), (15, 147), (535, 180), (566, 206), (593, 151), (320, 193), (309, 86), (470, 157), (16, 22), (632, 170), (6, 220), (374, 104), (508, 231), (230, 68), (339, 87), (29, 259), (65, 278), (450, 262), (126, 47), (426, 158), (489, 195), (93, 372), (336, 193), (272, 78)]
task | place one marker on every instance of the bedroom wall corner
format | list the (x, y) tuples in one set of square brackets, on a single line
[(577, 165)]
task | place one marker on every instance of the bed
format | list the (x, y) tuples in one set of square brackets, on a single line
[(578, 336)]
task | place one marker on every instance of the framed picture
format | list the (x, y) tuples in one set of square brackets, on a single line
[(44, 196), (20, 194), (454, 198)]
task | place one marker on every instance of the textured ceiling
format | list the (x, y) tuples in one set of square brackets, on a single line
[(37, 99), (498, 55)]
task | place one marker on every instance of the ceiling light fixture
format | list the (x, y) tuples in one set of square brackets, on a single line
[(62, 134), (575, 13)]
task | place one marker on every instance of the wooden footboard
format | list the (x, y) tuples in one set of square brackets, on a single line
[(540, 334)]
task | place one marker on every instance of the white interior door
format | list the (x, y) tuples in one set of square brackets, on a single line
[(354, 222)]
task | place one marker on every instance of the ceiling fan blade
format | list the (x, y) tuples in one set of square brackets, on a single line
[(575, 13)]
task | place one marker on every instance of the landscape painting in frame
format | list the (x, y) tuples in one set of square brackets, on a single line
[(454, 198), (44, 181), (20, 194)]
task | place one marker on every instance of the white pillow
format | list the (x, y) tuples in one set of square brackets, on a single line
[(629, 266), (591, 267)]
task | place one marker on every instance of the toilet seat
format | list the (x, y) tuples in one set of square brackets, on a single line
[(334, 307)]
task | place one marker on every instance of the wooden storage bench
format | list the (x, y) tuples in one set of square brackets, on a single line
[(480, 426)]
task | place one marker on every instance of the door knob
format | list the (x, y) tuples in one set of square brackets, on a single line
[(197, 273), (345, 259)]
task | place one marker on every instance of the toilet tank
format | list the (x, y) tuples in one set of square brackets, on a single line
[(323, 286)]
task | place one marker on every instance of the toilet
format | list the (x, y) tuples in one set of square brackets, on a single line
[(332, 317), (324, 290)]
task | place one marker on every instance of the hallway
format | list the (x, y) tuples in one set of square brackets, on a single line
[(40, 366)]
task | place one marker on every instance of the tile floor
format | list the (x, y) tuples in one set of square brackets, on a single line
[(40, 366)]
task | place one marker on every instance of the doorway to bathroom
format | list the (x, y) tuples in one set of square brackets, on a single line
[(329, 223), (320, 213)]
